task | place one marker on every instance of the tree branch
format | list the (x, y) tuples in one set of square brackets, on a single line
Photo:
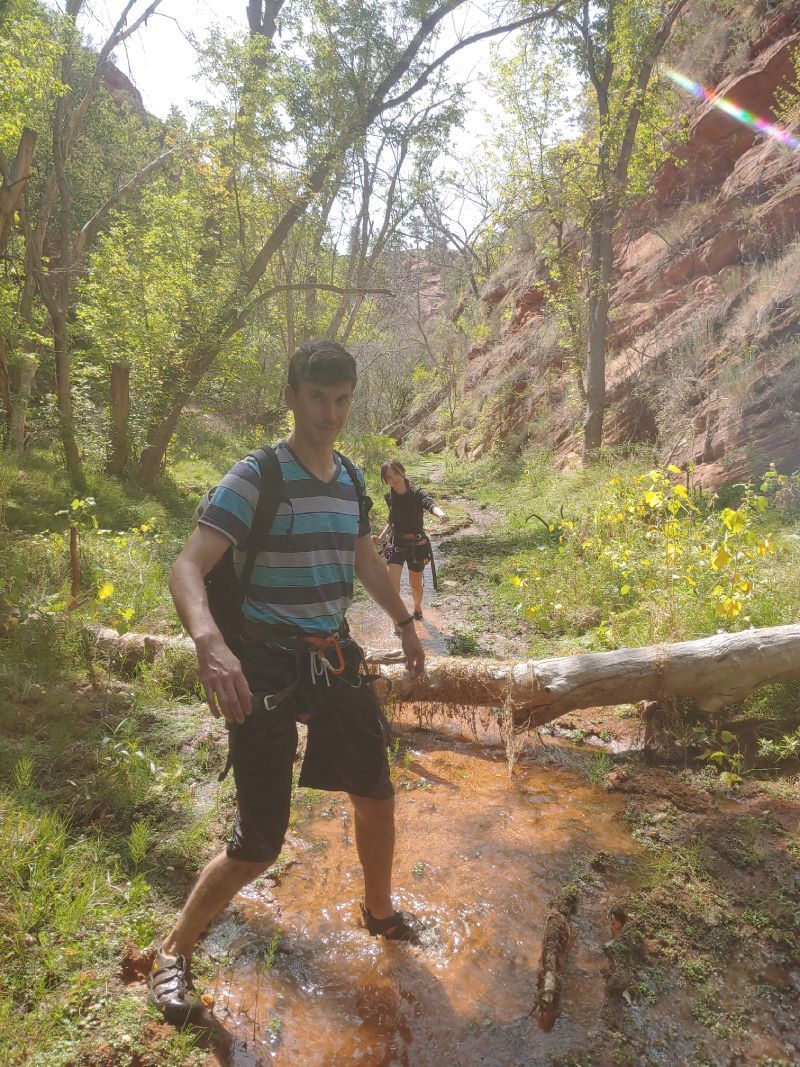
[(642, 81), (13, 186), (299, 287), (93, 225), (459, 45)]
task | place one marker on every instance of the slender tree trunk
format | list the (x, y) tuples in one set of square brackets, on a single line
[(161, 429), (601, 265), (19, 411), (74, 566), (5, 387), (120, 408), (158, 442), (311, 308), (64, 394)]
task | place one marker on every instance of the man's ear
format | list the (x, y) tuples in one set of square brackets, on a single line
[(289, 396)]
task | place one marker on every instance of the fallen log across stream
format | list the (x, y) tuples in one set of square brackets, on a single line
[(715, 672)]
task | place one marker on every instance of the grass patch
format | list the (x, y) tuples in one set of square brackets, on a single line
[(612, 556)]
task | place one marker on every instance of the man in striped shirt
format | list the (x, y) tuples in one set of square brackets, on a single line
[(296, 662)]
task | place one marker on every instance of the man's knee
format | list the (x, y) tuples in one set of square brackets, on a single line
[(248, 870), (373, 810)]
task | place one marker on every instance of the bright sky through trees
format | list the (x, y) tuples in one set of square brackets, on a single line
[(162, 63)]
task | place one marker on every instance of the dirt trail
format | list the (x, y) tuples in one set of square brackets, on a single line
[(443, 610)]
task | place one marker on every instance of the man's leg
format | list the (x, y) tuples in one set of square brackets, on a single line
[(170, 976), (218, 883), (374, 825)]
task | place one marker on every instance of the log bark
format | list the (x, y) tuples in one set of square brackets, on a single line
[(714, 671)]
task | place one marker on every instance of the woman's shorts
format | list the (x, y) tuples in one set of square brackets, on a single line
[(395, 554), (345, 747)]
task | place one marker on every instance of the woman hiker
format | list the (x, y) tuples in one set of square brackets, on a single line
[(408, 543)]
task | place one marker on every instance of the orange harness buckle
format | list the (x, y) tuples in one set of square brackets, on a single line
[(321, 646)]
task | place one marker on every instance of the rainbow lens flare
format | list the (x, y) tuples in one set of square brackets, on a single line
[(732, 109)]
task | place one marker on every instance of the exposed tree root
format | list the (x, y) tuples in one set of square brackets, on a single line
[(557, 934)]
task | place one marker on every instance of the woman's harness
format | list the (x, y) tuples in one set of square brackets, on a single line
[(416, 548)]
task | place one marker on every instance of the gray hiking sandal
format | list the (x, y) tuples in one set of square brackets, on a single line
[(171, 989), (400, 926)]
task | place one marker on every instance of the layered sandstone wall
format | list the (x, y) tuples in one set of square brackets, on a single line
[(705, 335)]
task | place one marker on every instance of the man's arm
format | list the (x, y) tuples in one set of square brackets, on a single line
[(221, 673), (374, 576)]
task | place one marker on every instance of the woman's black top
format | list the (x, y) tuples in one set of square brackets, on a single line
[(405, 509)]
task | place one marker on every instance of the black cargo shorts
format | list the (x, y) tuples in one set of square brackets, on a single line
[(345, 747)]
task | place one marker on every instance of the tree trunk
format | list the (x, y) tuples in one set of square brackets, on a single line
[(64, 391), (159, 437), (26, 375), (14, 186), (713, 671), (120, 408), (5, 390), (262, 17), (601, 265)]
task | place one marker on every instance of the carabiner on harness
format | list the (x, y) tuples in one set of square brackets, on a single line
[(320, 665)]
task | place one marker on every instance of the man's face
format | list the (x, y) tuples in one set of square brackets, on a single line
[(320, 411)]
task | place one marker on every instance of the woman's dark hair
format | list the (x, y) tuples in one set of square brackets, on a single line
[(392, 465)]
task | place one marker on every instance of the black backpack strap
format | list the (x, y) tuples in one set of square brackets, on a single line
[(270, 497), (364, 502)]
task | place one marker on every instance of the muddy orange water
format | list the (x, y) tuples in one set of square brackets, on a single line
[(478, 859)]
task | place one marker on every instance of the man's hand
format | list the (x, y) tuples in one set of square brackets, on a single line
[(414, 652), (225, 685)]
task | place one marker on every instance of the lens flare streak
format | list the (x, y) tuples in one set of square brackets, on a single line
[(732, 109)]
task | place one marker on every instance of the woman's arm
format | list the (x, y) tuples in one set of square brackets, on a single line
[(373, 574), (383, 533)]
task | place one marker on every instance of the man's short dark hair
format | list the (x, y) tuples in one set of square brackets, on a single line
[(322, 361)]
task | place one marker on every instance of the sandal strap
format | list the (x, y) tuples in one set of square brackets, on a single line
[(395, 927)]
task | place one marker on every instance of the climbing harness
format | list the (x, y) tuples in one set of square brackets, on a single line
[(415, 548), (316, 658)]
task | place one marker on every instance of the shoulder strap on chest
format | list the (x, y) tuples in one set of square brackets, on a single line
[(351, 470), (269, 500)]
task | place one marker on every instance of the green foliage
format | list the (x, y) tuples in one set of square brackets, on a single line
[(723, 752), (656, 554), (79, 879), (464, 642), (782, 749), (29, 50), (600, 764)]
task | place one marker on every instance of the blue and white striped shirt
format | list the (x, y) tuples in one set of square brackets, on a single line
[(304, 578)]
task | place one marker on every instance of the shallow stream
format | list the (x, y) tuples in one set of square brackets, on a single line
[(478, 860)]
